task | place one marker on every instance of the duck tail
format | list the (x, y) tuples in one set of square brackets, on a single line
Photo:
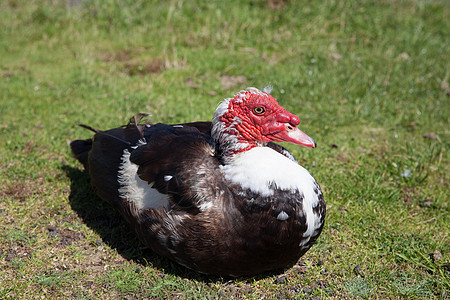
[(80, 150), (89, 127)]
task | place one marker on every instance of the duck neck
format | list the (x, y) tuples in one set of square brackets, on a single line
[(229, 142), (226, 132), (229, 150)]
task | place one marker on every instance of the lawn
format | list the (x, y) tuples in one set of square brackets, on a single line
[(369, 80)]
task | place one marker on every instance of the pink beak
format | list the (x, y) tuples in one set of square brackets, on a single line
[(283, 129), (293, 135)]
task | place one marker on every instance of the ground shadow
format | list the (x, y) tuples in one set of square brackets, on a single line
[(115, 232)]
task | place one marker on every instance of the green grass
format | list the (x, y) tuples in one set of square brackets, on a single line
[(370, 82)]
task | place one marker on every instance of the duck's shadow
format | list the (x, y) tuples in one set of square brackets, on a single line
[(115, 232)]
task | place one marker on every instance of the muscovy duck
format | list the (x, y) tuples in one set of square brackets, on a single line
[(217, 197)]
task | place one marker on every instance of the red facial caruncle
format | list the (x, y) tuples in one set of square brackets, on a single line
[(255, 116)]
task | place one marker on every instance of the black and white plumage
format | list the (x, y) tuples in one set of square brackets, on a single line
[(218, 197)]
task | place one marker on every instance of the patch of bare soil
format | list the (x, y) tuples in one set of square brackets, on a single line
[(15, 251), (123, 55), (229, 81), (19, 190), (142, 68), (7, 74), (409, 195), (66, 236), (277, 4), (131, 63)]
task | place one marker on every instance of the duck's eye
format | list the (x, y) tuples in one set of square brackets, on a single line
[(259, 110)]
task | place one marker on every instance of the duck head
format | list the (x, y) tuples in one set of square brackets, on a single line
[(253, 118)]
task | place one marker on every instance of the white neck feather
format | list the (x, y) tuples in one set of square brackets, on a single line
[(262, 168)]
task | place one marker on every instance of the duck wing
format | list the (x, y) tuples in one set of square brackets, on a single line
[(176, 160), (165, 161)]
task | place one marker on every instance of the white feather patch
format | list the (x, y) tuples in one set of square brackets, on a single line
[(261, 169), (135, 189), (268, 89), (282, 216), (204, 205)]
